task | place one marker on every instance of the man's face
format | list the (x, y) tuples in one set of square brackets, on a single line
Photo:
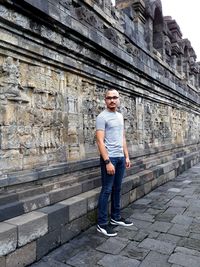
[(112, 100)]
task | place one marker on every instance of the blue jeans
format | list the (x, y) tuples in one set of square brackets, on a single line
[(111, 185)]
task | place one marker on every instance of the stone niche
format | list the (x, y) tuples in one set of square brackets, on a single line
[(56, 66)]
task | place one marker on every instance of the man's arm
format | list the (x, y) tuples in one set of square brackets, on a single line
[(100, 134), (128, 163)]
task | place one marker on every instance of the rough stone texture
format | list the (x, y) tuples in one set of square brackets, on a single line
[(30, 226), (118, 261), (138, 245), (156, 260), (8, 238), (113, 246), (184, 260), (77, 206), (22, 256), (57, 58), (156, 245), (50, 98)]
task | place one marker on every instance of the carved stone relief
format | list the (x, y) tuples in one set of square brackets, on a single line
[(179, 124), (157, 123), (10, 86)]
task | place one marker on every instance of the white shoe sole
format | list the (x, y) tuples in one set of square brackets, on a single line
[(102, 231), (121, 224)]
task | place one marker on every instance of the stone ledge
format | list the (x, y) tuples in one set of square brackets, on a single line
[(79, 212)]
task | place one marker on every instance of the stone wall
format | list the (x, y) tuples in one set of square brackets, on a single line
[(57, 58)]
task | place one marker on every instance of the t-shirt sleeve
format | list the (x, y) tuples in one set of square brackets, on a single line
[(100, 123)]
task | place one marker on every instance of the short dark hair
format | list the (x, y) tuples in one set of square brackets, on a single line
[(110, 89)]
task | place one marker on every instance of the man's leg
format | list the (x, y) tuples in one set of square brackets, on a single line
[(116, 190), (107, 184), (116, 218)]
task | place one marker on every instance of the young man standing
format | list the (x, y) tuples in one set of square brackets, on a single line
[(114, 159)]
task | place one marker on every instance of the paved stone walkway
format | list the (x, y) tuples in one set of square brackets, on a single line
[(166, 232)]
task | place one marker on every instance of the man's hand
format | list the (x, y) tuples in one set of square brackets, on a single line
[(110, 168), (128, 163)]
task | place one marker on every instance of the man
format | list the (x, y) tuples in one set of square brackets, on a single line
[(114, 159)]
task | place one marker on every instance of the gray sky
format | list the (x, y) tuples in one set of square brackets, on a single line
[(186, 14)]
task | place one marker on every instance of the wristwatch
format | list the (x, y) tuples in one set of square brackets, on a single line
[(107, 161)]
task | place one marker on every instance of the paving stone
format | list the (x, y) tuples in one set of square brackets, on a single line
[(175, 210), (195, 236), (165, 217), (139, 223), (162, 227), (144, 217), (127, 232), (113, 245), (179, 229), (51, 263), (182, 219), (118, 261), (187, 182), (176, 190), (87, 258), (153, 234), (134, 252), (144, 201), (155, 259), (178, 203), (184, 260), (157, 245), (187, 251), (189, 243), (195, 228), (169, 238), (154, 212)]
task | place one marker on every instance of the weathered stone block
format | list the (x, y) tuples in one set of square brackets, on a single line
[(58, 215), (8, 238), (125, 200), (30, 226), (127, 184), (22, 256), (36, 202), (92, 198), (47, 243), (64, 193), (133, 195), (77, 206), (73, 228), (3, 261)]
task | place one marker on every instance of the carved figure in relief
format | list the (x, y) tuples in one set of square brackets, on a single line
[(9, 77), (114, 158), (9, 81)]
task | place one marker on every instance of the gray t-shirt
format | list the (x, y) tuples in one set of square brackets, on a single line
[(113, 125)]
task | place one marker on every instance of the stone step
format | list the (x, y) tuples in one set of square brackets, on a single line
[(24, 203), (50, 191), (35, 233)]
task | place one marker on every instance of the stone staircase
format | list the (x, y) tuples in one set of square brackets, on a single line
[(42, 214)]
